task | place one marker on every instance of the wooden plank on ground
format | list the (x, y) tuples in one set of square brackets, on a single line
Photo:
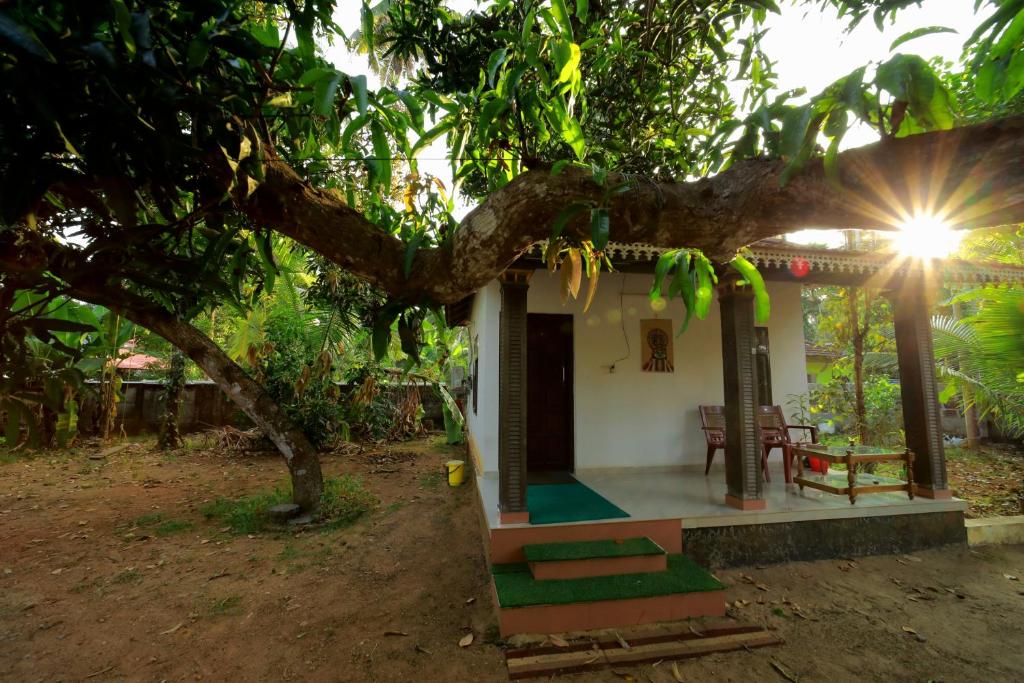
[(597, 657)]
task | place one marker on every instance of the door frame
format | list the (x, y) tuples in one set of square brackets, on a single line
[(571, 403)]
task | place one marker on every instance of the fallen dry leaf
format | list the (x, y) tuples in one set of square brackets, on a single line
[(466, 640), (1011, 577), (470, 601), (395, 633), (172, 629), (761, 586), (559, 641), (622, 641), (675, 673), (910, 630)]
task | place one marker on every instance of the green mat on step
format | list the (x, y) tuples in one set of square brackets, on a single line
[(516, 586), (557, 503)]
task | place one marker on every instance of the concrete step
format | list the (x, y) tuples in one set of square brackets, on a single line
[(506, 543), (573, 560), (528, 605)]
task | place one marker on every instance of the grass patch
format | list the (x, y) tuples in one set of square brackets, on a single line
[(146, 520), (432, 480), (344, 500), (7, 458), (228, 605), (173, 526), (130, 575)]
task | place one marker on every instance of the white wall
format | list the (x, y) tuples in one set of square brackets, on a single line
[(631, 418), (483, 330)]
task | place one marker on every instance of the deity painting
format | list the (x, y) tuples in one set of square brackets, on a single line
[(656, 340)]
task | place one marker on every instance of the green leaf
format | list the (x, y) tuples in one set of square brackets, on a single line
[(351, 129), (414, 108), (24, 38), (124, 25), (917, 33), (582, 10), (324, 91), (382, 329), (704, 271), (382, 152), (573, 135), (665, 263), (832, 163), (358, 84), (561, 15), (566, 215), (410, 252), (599, 227), (762, 306), (794, 130), (559, 165), (494, 63)]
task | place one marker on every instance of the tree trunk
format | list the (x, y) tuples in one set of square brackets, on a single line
[(299, 454), (860, 408), (170, 438), (85, 283), (971, 429)]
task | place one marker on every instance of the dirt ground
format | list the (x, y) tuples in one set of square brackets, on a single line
[(990, 479), (110, 571)]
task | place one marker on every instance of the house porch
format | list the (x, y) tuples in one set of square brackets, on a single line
[(793, 525)]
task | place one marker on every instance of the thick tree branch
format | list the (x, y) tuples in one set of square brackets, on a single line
[(973, 176)]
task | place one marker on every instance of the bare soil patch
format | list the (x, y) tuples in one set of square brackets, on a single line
[(109, 569)]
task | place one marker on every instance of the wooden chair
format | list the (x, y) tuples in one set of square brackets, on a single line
[(775, 434), (713, 423)]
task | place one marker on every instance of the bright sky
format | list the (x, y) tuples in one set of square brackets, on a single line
[(810, 47)]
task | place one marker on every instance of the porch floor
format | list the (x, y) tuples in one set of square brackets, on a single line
[(700, 501)]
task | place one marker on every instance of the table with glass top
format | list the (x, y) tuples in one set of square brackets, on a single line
[(853, 455)]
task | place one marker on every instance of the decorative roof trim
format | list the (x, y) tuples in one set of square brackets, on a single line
[(833, 261)]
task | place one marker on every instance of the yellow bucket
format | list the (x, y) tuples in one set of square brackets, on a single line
[(456, 470)]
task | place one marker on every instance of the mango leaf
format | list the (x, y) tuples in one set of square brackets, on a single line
[(917, 33), (324, 91), (382, 154), (24, 38), (576, 274), (599, 227), (762, 306), (382, 329), (705, 276), (593, 272), (414, 108), (358, 84), (665, 263), (494, 63), (566, 215), (561, 15)]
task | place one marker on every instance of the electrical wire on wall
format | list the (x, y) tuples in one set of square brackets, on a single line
[(622, 322)]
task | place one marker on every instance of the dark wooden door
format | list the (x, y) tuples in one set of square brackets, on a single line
[(549, 386)]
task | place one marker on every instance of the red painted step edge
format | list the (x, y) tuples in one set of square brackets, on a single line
[(582, 616), (598, 566)]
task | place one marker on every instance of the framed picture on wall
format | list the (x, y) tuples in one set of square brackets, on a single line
[(656, 345)]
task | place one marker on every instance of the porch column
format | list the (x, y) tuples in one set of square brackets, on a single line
[(922, 421), (512, 398), (742, 443)]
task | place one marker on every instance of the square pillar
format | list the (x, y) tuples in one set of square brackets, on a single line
[(922, 417), (512, 398), (739, 370)]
